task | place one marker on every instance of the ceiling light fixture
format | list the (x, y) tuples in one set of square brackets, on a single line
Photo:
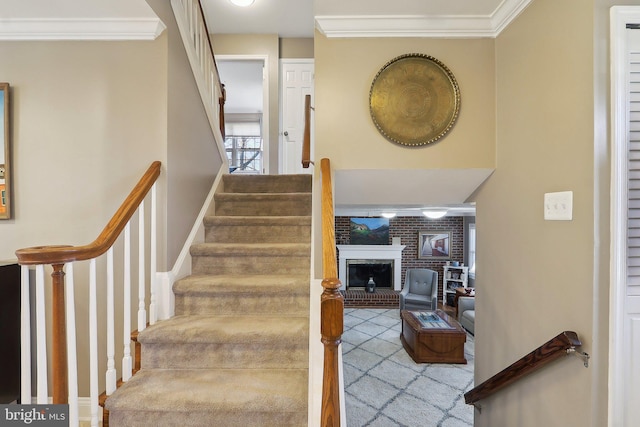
[(388, 214), (434, 214), (242, 3)]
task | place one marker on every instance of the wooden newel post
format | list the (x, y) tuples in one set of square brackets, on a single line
[(59, 345), (331, 328)]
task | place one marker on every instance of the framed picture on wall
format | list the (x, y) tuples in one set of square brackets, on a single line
[(5, 154), (434, 244), (369, 231)]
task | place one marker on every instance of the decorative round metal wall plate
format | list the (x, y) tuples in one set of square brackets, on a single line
[(414, 100)]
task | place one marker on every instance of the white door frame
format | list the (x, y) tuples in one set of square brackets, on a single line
[(265, 101), (624, 313)]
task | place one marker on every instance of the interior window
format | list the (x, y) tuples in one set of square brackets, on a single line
[(243, 144), (471, 256)]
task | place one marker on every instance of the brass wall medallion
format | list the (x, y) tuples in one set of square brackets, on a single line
[(414, 100)]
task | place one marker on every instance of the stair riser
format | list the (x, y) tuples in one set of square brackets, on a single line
[(221, 418), (221, 264), (225, 356), (290, 205), (267, 234), (288, 305), (267, 184)]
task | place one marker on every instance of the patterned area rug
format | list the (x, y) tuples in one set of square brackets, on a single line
[(384, 387)]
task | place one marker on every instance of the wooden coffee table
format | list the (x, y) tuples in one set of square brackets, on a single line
[(432, 337)]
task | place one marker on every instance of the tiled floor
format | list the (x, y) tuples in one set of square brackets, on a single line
[(384, 387)]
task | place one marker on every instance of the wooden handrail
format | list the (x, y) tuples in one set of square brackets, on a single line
[(329, 268), (58, 256), (331, 306), (306, 138), (64, 254), (563, 344)]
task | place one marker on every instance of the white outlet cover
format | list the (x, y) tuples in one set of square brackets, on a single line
[(558, 206)]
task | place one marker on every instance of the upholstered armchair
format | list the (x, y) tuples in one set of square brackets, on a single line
[(420, 290), (467, 313)]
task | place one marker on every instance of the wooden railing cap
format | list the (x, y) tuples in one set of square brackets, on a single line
[(62, 254)]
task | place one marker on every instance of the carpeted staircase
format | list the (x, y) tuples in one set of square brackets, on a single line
[(236, 352)]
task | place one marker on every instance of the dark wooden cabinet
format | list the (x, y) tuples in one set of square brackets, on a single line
[(10, 332)]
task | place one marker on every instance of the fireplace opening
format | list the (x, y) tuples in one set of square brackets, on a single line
[(360, 270)]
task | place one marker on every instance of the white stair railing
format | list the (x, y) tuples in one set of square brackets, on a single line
[(195, 36), (64, 359)]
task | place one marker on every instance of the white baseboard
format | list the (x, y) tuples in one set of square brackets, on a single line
[(84, 409)]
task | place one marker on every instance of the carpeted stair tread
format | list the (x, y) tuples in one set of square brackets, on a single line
[(243, 284), (210, 342), (257, 220), (267, 183), (251, 249), (219, 397), (286, 295), (257, 330), (262, 204), (253, 229)]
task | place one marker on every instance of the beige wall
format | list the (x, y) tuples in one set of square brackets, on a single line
[(258, 44), (345, 132), (88, 119), (193, 159), (296, 48), (536, 277)]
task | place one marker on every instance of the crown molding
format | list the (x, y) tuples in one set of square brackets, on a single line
[(506, 13), (404, 26), (450, 26), (81, 29)]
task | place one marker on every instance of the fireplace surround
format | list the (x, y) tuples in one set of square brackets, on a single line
[(374, 255), (359, 271)]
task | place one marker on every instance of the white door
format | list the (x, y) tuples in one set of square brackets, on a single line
[(624, 367), (296, 81)]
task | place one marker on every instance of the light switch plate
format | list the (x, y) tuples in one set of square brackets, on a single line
[(558, 206)]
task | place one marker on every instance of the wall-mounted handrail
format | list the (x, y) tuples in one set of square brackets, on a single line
[(63, 254), (564, 343), (63, 342), (331, 305), (306, 137)]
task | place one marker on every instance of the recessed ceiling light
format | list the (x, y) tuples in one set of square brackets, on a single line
[(434, 214), (242, 3)]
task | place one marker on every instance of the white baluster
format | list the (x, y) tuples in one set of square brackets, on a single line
[(72, 363), (25, 337), (41, 339), (93, 344), (194, 30), (142, 312), (126, 358), (153, 311), (110, 376)]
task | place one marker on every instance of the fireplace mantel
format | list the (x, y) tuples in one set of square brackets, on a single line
[(393, 252)]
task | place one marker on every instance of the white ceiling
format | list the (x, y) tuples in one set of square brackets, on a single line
[(118, 19)]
